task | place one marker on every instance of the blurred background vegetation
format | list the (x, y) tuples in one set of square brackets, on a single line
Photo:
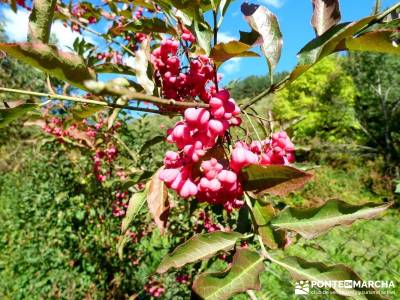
[(58, 235)]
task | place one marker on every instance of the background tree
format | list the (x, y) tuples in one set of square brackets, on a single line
[(377, 102)]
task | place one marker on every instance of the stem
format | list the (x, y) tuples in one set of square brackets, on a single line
[(120, 92), (272, 89), (252, 125), (81, 100), (215, 14)]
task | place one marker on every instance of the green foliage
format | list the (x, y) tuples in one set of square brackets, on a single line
[(320, 104), (377, 103)]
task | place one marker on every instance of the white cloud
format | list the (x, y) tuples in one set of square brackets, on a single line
[(224, 37), (16, 28), (274, 3), (232, 66)]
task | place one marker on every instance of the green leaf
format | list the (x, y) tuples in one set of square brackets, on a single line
[(11, 114), (136, 203), (263, 213), (243, 275), (62, 65), (274, 179), (301, 269), (376, 41), (397, 189), (199, 247), (312, 222), (326, 14), (153, 141), (114, 69), (157, 201), (144, 25), (225, 51), (266, 24), (81, 112), (203, 36)]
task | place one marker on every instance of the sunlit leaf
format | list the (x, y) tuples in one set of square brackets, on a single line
[(312, 222), (199, 247), (301, 269), (274, 179), (204, 36), (62, 65), (326, 14), (157, 201), (243, 275), (142, 67), (266, 24), (376, 41), (136, 202), (225, 51)]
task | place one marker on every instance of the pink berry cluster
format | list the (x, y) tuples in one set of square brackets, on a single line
[(101, 158), (194, 136), (154, 288), (120, 205), (279, 150), (178, 82), (205, 222)]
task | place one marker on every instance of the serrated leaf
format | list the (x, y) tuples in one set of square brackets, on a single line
[(114, 69), (136, 202), (62, 65), (312, 222), (326, 14), (263, 213), (274, 179), (199, 247), (301, 269), (243, 275), (157, 201), (266, 24), (376, 41), (225, 51), (153, 141), (8, 115)]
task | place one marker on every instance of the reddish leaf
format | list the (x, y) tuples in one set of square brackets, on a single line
[(275, 180), (326, 14), (157, 201)]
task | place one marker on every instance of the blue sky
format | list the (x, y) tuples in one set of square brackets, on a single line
[(293, 15), (294, 18)]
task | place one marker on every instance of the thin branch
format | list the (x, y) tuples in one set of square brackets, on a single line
[(252, 295), (272, 89), (84, 100)]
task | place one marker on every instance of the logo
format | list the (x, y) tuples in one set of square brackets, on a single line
[(302, 288)]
